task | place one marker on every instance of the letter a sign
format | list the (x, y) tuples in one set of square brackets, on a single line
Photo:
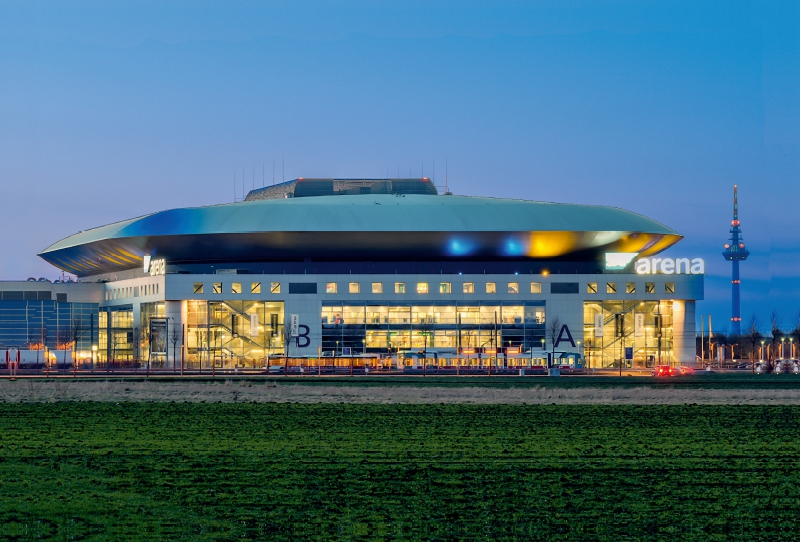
[(561, 338)]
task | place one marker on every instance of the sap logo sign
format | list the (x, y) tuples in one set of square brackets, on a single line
[(155, 267), (671, 266)]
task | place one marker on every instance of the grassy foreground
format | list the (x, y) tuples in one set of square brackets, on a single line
[(105, 471)]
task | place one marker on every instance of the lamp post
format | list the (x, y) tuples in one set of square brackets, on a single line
[(783, 339)]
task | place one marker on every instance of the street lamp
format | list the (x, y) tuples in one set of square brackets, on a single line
[(783, 339)]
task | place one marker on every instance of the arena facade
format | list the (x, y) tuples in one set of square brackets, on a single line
[(342, 268)]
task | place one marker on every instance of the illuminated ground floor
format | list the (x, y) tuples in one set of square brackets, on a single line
[(232, 321)]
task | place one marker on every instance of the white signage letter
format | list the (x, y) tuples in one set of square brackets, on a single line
[(698, 266)]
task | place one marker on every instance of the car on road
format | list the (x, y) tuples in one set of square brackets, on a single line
[(663, 370)]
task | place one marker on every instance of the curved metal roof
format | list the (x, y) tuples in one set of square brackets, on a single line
[(377, 226)]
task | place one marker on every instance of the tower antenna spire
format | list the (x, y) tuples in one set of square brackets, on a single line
[(735, 252)]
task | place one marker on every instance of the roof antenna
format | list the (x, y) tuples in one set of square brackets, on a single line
[(446, 187)]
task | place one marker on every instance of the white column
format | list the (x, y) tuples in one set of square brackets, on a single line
[(683, 332)]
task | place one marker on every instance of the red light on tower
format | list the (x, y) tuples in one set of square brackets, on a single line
[(727, 245), (734, 222)]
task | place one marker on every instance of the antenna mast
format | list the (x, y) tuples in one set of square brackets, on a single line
[(735, 252)]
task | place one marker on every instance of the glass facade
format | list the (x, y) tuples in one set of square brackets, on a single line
[(230, 334), (52, 325), (612, 336), (116, 340), (55, 325), (390, 327)]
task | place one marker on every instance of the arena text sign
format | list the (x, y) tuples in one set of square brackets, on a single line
[(155, 267), (670, 266)]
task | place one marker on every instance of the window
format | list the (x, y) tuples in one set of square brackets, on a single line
[(377, 287), (445, 288), (536, 287), (564, 287), (236, 288), (422, 287), (611, 287), (669, 287), (513, 287), (649, 287), (469, 287), (330, 288), (491, 287), (216, 288), (630, 287), (591, 288), (399, 287), (274, 287), (354, 287), (255, 288)]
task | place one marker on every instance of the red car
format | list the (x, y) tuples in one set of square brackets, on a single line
[(664, 370)]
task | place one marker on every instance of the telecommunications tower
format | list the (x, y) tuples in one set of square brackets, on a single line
[(735, 253)]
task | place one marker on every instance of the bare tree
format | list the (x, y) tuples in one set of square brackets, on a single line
[(796, 330), (553, 331), (174, 337), (775, 323), (753, 335), (77, 331)]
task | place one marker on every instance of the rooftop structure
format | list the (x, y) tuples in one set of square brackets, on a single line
[(368, 227)]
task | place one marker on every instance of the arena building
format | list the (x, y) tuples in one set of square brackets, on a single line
[(338, 268)]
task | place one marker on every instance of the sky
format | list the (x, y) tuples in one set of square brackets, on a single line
[(111, 110)]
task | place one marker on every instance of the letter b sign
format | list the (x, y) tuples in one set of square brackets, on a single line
[(302, 335)]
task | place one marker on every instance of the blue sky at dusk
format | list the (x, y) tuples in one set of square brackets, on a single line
[(110, 110)]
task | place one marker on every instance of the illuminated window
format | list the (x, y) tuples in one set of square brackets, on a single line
[(354, 287), (513, 287), (216, 288), (469, 287), (630, 287), (330, 287), (198, 287), (422, 287), (649, 287), (591, 288), (491, 287), (255, 288), (274, 287), (669, 287), (236, 288), (399, 287), (445, 288), (611, 287), (377, 287), (536, 287)]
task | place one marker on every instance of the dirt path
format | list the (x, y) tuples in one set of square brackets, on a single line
[(269, 392)]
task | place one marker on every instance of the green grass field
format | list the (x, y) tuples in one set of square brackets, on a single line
[(105, 471)]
